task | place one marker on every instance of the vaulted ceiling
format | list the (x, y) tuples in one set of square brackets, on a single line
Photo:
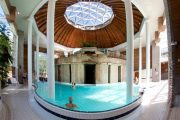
[(109, 36)]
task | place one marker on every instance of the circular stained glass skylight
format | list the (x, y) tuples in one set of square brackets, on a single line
[(89, 15)]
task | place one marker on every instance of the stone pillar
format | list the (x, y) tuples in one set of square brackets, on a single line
[(156, 63), (16, 58), (147, 51), (140, 60), (73, 72), (50, 48), (20, 56), (30, 20), (37, 57), (129, 49), (56, 72)]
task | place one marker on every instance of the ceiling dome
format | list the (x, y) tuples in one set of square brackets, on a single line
[(102, 34), (89, 15)]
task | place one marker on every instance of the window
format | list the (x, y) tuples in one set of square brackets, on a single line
[(89, 15)]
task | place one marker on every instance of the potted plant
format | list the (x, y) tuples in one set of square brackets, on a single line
[(5, 54)]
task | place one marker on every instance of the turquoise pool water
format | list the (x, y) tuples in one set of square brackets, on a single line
[(89, 98)]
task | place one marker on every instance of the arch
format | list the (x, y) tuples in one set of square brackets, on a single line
[(39, 5)]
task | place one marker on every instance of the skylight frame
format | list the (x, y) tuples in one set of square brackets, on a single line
[(81, 15)]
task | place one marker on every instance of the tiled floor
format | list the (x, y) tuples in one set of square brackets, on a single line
[(4, 112), (22, 106), (175, 111), (16, 97), (154, 103)]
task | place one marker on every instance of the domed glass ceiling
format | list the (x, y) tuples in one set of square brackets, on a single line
[(89, 15)]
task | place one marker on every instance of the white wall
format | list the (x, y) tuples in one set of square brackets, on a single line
[(77, 73), (156, 63), (144, 75), (114, 73), (101, 73), (65, 75), (123, 73)]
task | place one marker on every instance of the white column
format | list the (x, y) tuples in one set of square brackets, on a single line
[(129, 49), (30, 53), (20, 55), (156, 62), (37, 57), (50, 48), (140, 60), (16, 57), (147, 51)]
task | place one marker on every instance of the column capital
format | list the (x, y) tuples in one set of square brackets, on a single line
[(52, 0), (30, 19)]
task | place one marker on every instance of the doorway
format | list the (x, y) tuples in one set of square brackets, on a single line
[(89, 73), (109, 73), (59, 73), (119, 74)]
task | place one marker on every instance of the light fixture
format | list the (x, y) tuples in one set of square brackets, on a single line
[(18, 13)]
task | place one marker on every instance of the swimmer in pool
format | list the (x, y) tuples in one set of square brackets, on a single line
[(70, 105), (73, 85)]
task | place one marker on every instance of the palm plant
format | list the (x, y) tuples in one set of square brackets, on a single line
[(5, 54)]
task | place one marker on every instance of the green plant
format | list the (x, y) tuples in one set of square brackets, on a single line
[(89, 44), (42, 63), (5, 54)]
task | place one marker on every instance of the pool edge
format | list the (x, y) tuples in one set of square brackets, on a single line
[(67, 114)]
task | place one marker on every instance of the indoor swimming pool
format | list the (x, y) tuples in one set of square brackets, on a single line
[(88, 98)]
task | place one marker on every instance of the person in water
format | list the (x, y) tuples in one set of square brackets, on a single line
[(73, 85), (70, 105)]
